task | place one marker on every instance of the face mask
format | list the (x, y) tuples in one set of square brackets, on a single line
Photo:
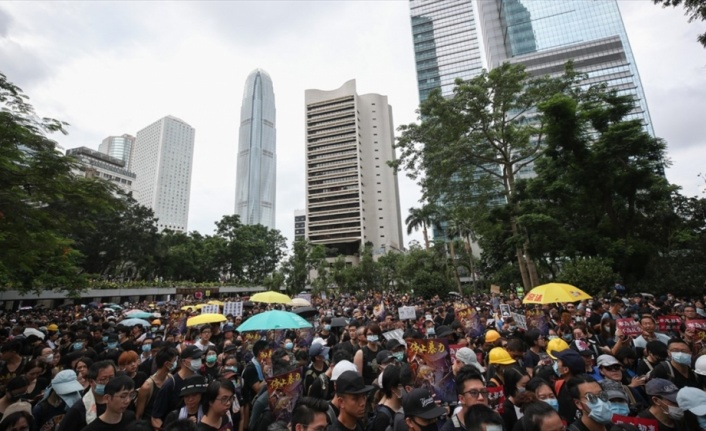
[(520, 390), (676, 413), (555, 366), (620, 409), (553, 402), (233, 369), (154, 329), (146, 347), (513, 328), (70, 399), (112, 345), (682, 358), (211, 359), (607, 328), (100, 389), (701, 420), (372, 338), (327, 327), (567, 337), (600, 412), (78, 346), (105, 339), (431, 331), (289, 346), (48, 359), (399, 356), (195, 365), (173, 365)]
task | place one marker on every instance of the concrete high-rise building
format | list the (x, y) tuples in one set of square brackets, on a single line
[(119, 147), (544, 34), (299, 225), (255, 183), (96, 164), (352, 196), (162, 160)]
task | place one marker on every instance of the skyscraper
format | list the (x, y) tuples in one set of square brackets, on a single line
[(96, 164), (544, 34), (162, 160), (352, 196), (119, 147), (255, 184)]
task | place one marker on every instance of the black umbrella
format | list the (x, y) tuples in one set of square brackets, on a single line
[(306, 311), (248, 304), (338, 322)]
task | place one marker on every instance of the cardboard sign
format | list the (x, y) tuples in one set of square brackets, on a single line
[(233, 308), (628, 326), (496, 398), (209, 308), (669, 323), (699, 328), (284, 391), (520, 321), (643, 424), (407, 313), (504, 308), (396, 334), (430, 360), (494, 288)]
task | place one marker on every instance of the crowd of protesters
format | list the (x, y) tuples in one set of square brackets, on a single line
[(80, 368)]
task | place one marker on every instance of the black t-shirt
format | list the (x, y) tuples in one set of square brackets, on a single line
[(450, 425), (370, 364), (250, 377), (47, 417), (167, 397), (665, 371), (678, 425), (338, 426), (75, 418), (98, 424), (384, 417), (567, 408), (530, 359)]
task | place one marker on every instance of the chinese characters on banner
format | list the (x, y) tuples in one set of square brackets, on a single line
[(284, 390), (628, 326), (432, 364), (470, 320), (643, 424), (496, 398), (233, 308), (699, 328), (209, 308), (407, 313), (669, 323)]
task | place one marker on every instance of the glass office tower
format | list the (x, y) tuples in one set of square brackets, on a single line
[(255, 183)]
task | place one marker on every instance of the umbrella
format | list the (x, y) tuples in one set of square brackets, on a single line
[(134, 322), (271, 297), (306, 311), (138, 314), (248, 304), (32, 331), (338, 322), (205, 318), (554, 292), (188, 307), (115, 306), (218, 303), (274, 319), (300, 302)]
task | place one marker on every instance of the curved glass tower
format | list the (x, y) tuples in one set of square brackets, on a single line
[(256, 179)]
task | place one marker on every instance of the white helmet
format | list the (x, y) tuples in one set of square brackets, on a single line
[(700, 366)]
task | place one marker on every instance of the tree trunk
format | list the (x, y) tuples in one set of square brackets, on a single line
[(531, 267), (472, 267), (452, 252), (426, 237), (526, 282)]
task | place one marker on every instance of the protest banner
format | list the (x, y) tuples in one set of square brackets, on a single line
[(520, 321), (407, 313), (284, 391), (699, 328), (209, 308), (628, 326), (496, 398), (504, 309), (430, 360), (643, 424), (669, 323), (494, 288)]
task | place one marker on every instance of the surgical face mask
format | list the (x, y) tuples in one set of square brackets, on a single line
[(431, 427), (600, 412), (70, 399), (112, 345), (520, 389), (327, 327), (78, 345), (195, 365), (701, 420), (555, 366), (289, 346), (146, 347), (553, 402), (431, 331), (48, 359), (211, 359), (372, 338), (100, 389), (513, 328), (399, 356), (567, 337), (105, 339), (233, 369), (619, 408), (154, 329), (682, 358), (173, 365), (606, 328), (674, 412)]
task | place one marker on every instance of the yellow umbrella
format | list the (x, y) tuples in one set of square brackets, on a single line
[(202, 319), (218, 303), (271, 297), (554, 292), (199, 306), (188, 307)]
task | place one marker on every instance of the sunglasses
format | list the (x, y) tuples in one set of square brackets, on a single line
[(614, 367)]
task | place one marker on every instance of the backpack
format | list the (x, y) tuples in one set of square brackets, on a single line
[(385, 411)]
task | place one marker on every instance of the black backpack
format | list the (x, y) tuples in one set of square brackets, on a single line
[(385, 411)]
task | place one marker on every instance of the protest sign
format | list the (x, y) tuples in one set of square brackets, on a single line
[(209, 308), (669, 323), (494, 288), (407, 313), (430, 360), (284, 391), (643, 424), (496, 398), (699, 328), (233, 308), (504, 308), (520, 321), (628, 326), (394, 334)]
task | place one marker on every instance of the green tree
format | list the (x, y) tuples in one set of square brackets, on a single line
[(425, 272), (592, 275), (424, 218), (694, 9)]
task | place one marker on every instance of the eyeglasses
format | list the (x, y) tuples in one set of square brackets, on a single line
[(226, 400), (128, 396), (614, 367), (474, 393), (593, 398)]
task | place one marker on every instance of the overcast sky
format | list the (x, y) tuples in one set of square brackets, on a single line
[(109, 68)]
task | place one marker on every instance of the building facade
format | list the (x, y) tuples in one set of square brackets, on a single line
[(299, 225), (119, 147), (96, 164), (256, 180), (162, 159), (352, 196)]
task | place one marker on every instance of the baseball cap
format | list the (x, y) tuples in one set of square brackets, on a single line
[(341, 367), (491, 336), (692, 399), (195, 384), (468, 357), (419, 403), (443, 331), (191, 352), (606, 361), (571, 359), (350, 382), (393, 344), (662, 388), (613, 389), (65, 382), (318, 349), (383, 356), (228, 328)]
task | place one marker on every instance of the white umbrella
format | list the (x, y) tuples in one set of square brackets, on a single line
[(300, 302)]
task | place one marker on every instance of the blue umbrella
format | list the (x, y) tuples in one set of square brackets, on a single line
[(138, 315), (274, 319), (134, 322)]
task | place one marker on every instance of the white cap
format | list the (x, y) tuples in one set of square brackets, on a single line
[(606, 361), (468, 357), (341, 368), (700, 365)]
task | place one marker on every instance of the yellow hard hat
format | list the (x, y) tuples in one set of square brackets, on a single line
[(492, 336), (52, 327), (500, 356), (556, 345), (156, 322)]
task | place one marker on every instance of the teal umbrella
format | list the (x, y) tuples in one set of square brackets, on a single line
[(274, 319)]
